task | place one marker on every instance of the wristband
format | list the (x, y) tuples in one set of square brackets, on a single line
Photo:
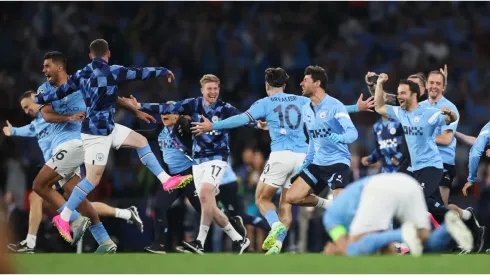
[(337, 232)]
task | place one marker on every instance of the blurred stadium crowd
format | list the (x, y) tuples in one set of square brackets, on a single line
[(236, 41)]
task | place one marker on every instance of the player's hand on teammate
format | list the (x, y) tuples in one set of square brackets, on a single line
[(145, 117), (382, 78), (201, 127), (365, 105), (7, 130), (466, 187), (365, 161), (262, 125), (335, 138), (77, 117)]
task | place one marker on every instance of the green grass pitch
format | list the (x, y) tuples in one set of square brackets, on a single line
[(248, 263)]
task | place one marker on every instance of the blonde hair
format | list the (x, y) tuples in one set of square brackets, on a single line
[(207, 78)]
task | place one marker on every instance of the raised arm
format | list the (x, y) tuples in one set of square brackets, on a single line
[(51, 116), (390, 99), (468, 140), (380, 104), (125, 74)]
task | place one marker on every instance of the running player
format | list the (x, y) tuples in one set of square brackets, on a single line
[(210, 154), (282, 113), (99, 83), (359, 218), (44, 132), (446, 142)]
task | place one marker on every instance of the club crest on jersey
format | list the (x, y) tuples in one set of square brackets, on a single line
[(40, 91), (392, 131), (323, 115), (214, 118), (282, 131), (416, 119)]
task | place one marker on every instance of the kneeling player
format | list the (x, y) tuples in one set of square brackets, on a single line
[(359, 218)]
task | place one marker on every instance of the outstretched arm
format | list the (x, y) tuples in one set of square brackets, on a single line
[(139, 114), (24, 131), (468, 140), (362, 105), (125, 74), (350, 132)]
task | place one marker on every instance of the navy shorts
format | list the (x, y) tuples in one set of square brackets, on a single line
[(319, 177), (448, 175)]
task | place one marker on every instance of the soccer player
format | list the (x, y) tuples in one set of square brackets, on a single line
[(388, 136), (49, 135), (419, 126), (476, 151), (175, 155), (446, 142), (359, 218), (210, 154), (98, 82), (282, 113), (391, 99)]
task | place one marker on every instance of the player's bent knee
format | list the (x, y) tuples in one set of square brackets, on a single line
[(292, 198)]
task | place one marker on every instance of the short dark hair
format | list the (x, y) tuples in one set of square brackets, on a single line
[(57, 57), (412, 86), (99, 47), (421, 77), (276, 77), (439, 73), (317, 74), (27, 94)]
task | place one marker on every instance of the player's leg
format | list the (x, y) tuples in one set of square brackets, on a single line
[(130, 214), (207, 178), (164, 201), (446, 182), (95, 151), (127, 138), (279, 167), (35, 215), (96, 228)]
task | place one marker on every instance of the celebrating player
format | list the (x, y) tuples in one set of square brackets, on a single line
[(359, 218), (446, 142), (98, 83), (210, 154), (419, 126)]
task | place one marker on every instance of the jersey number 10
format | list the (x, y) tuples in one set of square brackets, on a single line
[(285, 116)]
